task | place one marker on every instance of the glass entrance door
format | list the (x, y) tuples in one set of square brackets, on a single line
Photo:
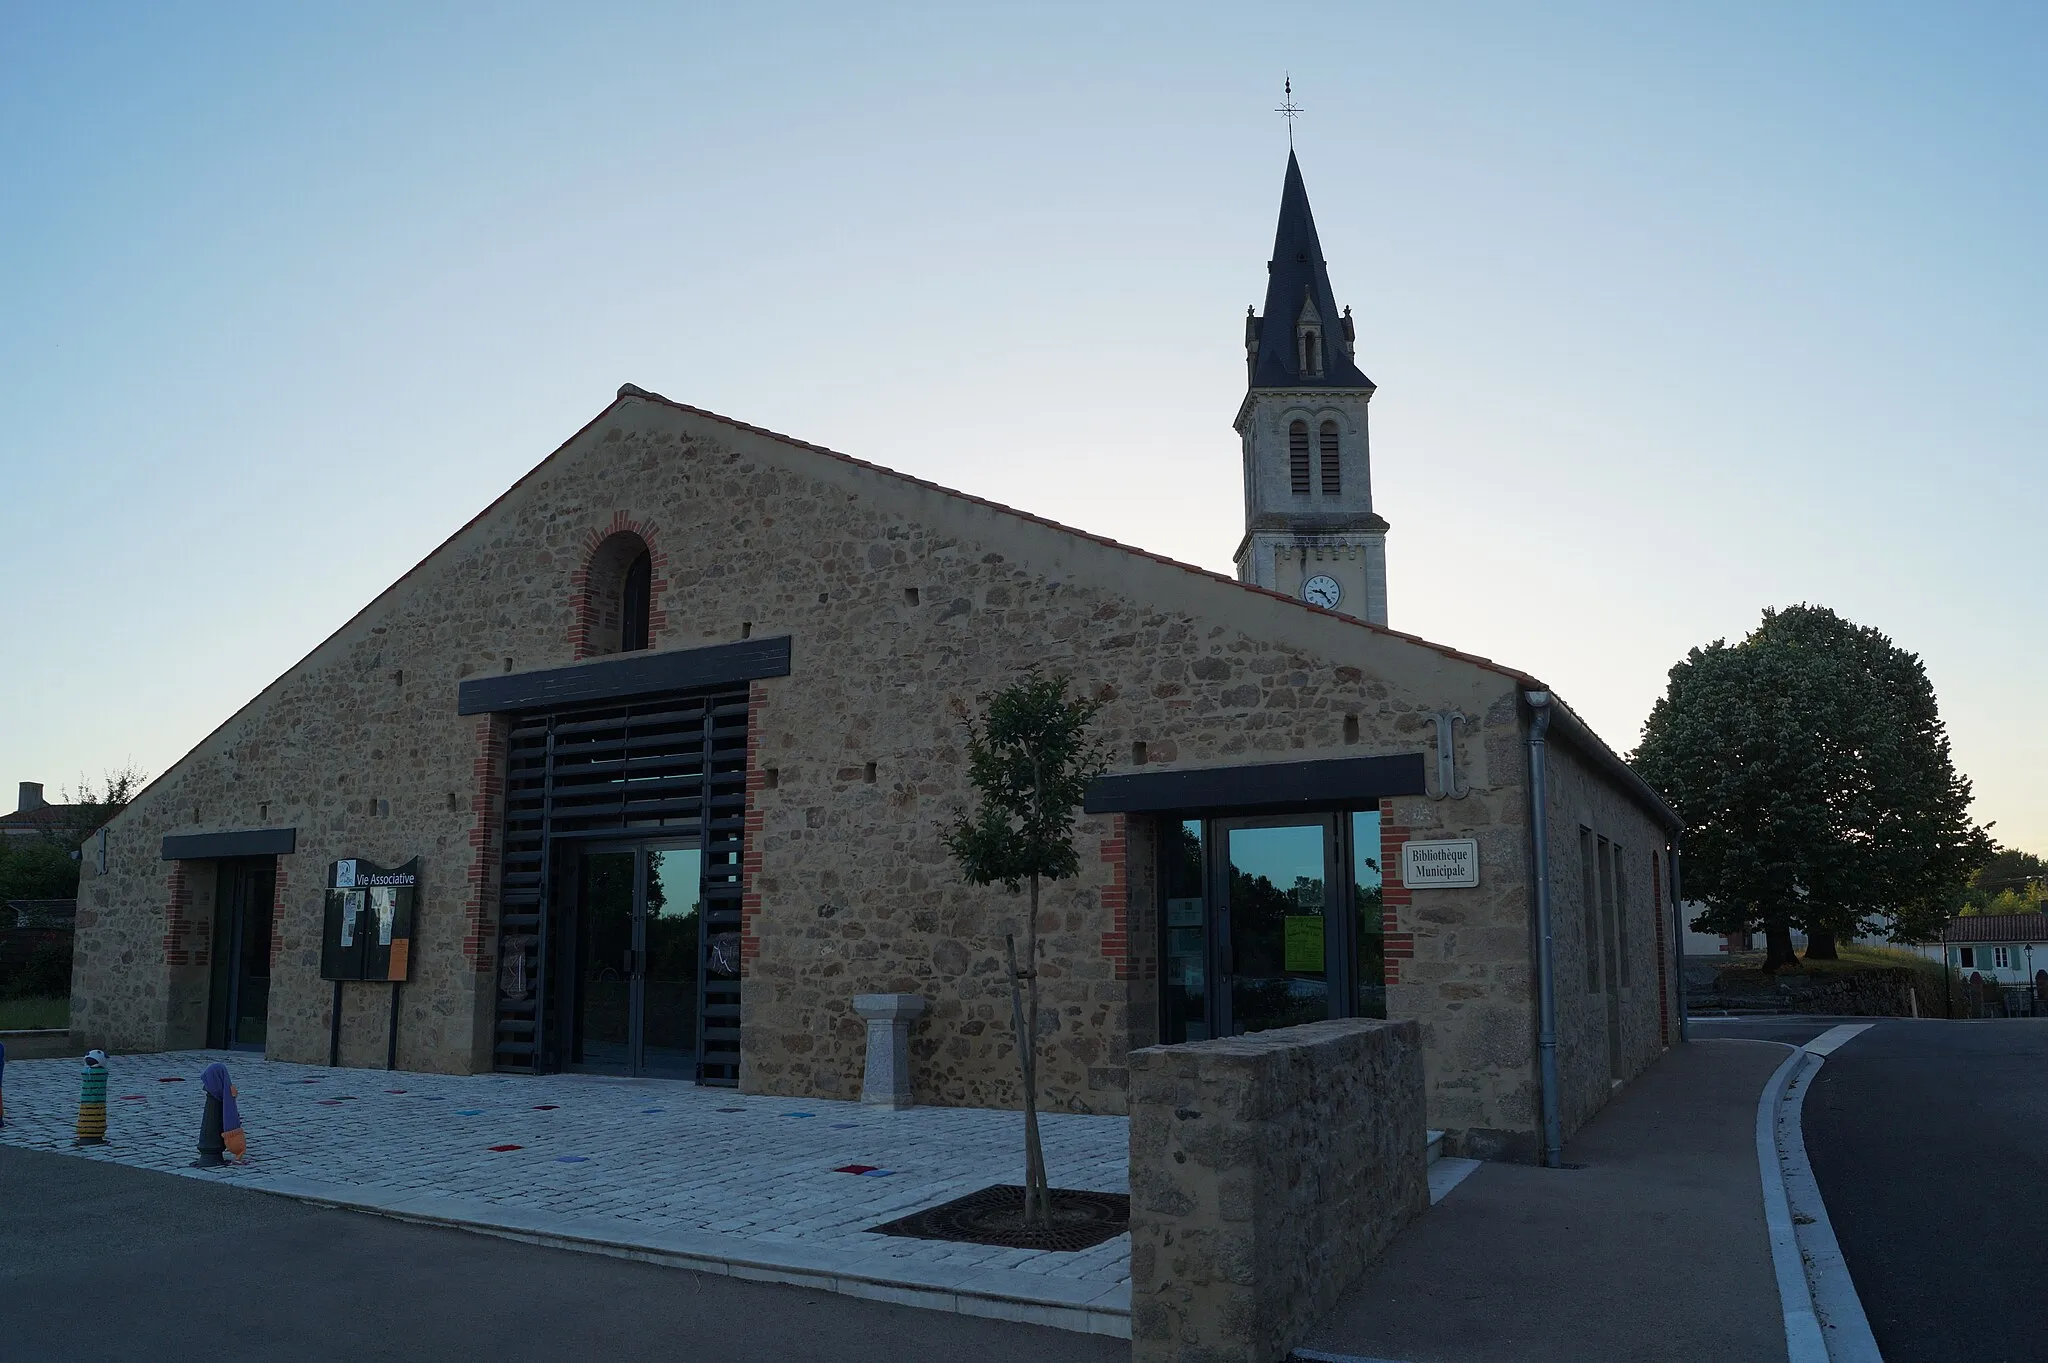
[(1284, 935), (239, 1015), (672, 904), (637, 959)]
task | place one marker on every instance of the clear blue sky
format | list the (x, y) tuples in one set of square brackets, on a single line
[(1675, 313)]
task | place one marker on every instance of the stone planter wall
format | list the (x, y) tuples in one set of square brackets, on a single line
[(1267, 1172)]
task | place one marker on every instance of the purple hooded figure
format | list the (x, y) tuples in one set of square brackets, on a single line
[(214, 1079)]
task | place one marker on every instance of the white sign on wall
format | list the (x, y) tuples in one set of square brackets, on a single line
[(1444, 864)]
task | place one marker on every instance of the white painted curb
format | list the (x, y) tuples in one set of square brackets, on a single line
[(1835, 1302), (1824, 1319), (1804, 1342)]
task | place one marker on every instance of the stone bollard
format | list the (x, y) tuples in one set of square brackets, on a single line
[(92, 1100), (886, 1082)]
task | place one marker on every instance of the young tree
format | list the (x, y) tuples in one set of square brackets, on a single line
[(1030, 757), (1813, 772)]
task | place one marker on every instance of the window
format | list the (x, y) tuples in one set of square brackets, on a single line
[(1621, 916), (1333, 478), (1605, 865), (615, 599), (1311, 359), (634, 603), (1966, 957), (1297, 457), (1369, 903), (2001, 959), (1589, 881)]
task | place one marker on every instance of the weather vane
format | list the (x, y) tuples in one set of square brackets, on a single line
[(1288, 109)]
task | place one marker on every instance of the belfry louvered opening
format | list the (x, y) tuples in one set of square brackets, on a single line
[(1333, 477), (1297, 457), (591, 783)]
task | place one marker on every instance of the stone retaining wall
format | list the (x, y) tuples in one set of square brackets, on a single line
[(1267, 1172)]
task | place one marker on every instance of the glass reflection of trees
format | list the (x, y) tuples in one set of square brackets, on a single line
[(1263, 994)]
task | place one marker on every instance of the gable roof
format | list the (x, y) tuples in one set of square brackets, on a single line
[(51, 818), (1575, 729), (1997, 927), (1298, 278)]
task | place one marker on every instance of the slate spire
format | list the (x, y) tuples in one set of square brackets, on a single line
[(1300, 340)]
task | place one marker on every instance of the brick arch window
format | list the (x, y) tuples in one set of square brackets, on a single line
[(617, 591), (1297, 457), (1333, 478)]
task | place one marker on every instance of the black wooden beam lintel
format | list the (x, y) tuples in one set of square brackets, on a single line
[(622, 676), (1259, 787), (243, 842)]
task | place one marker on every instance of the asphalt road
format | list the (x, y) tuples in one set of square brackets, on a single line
[(1930, 1143), (102, 1261)]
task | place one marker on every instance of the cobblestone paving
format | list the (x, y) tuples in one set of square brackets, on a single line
[(664, 1154)]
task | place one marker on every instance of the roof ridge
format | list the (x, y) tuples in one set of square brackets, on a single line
[(1036, 519)]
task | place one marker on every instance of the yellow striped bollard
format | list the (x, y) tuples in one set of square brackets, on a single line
[(92, 1100)]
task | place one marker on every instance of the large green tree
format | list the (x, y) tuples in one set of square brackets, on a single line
[(1813, 771), (1030, 758), (2012, 881)]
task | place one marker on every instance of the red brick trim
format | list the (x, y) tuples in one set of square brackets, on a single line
[(277, 914), (1663, 965), (178, 925), (750, 846), (1394, 894), (1116, 899), (486, 807), (583, 614)]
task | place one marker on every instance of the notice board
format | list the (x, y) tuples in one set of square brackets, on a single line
[(371, 911)]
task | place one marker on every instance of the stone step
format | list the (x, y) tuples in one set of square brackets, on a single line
[(1435, 1146)]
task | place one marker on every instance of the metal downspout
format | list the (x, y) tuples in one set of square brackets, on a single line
[(1546, 970), (1678, 934)]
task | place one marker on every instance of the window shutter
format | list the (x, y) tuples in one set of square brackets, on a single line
[(1297, 457), (1333, 478)]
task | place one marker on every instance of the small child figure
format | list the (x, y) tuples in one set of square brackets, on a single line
[(220, 1127)]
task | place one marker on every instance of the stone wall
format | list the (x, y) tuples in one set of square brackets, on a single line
[(904, 603), (1267, 1172), (1582, 798)]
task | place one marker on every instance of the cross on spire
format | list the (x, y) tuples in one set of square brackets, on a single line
[(1289, 109)]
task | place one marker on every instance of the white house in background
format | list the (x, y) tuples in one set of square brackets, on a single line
[(2011, 948), (1720, 943)]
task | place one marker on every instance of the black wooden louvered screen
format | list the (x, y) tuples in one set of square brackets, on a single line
[(1333, 477), (663, 765)]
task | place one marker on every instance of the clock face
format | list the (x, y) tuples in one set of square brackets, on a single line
[(1322, 590)]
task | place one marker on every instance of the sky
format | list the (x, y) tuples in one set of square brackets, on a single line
[(1676, 313)]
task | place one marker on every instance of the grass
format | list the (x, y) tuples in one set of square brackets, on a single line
[(21, 1015), (1742, 971)]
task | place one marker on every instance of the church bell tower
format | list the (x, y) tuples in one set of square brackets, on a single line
[(1309, 527)]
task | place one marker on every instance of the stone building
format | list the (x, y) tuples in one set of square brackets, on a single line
[(661, 747)]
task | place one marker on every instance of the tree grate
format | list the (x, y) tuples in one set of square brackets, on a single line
[(995, 1216)]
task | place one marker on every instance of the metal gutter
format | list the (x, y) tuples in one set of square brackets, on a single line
[(1541, 711)]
